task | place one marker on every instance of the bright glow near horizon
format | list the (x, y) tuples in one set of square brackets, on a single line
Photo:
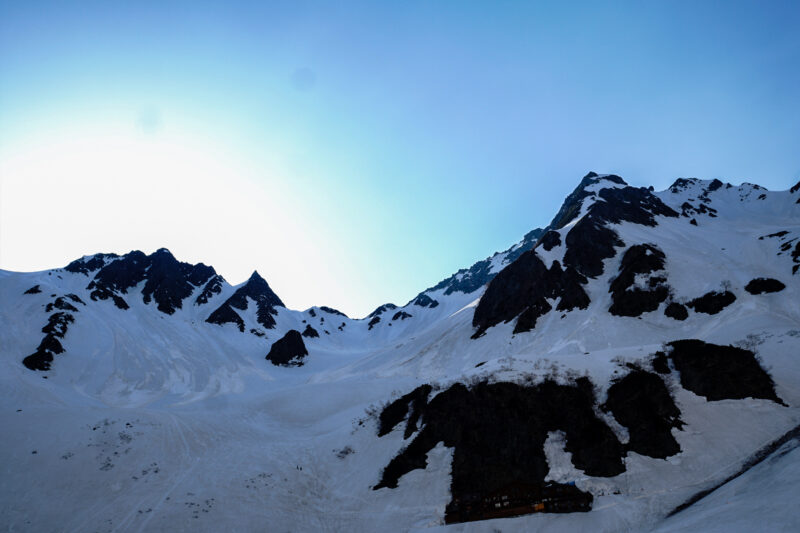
[(122, 190), (356, 153)]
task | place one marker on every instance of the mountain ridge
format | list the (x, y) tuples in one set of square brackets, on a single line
[(667, 321)]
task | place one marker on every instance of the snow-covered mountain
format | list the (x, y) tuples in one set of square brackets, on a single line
[(604, 372)]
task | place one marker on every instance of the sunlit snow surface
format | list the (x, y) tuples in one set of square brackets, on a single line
[(154, 422)]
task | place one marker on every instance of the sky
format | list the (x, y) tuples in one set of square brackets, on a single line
[(356, 153)]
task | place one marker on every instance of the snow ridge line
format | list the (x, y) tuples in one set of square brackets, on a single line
[(752, 461)]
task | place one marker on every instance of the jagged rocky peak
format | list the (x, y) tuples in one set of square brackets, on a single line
[(697, 185), (166, 280), (257, 289), (469, 280), (331, 311), (90, 263), (375, 316), (523, 288), (589, 186), (382, 309)]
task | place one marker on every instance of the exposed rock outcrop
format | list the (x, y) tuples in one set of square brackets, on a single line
[(720, 372), (166, 280), (289, 350), (764, 285), (522, 289), (712, 302), (642, 403), (630, 298), (498, 432), (676, 311), (256, 289), (310, 333)]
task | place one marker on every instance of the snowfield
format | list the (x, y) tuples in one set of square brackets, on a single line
[(164, 422)]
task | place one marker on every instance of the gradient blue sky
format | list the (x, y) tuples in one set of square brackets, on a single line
[(359, 153)]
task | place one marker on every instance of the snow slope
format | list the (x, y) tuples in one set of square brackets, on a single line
[(155, 421)]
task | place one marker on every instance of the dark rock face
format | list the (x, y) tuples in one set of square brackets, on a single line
[(795, 188), (641, 402), (118, 276), (550, 240), (590, 241), (681, 184), (712, 302), (167, 281), (62, 304), (629, 300), (90, 264), (498, 432), (401, 315), (676, 311), (310, 333), (763, 285), (521, 290), (660, 363), (55, 329), (332, 311), (396, 412), (288, 350), (773, 235), (226, 315), (423, 300), (469, 280), (374, 321), (33, 290), (786, 241), (382, 309), (688, 210), (256, 289), (212, 287), (720, 372), (571, 207)]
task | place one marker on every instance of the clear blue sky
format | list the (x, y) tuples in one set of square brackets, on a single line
[(358, 153)]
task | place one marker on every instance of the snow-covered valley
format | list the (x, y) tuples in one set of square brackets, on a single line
[(161, 411)]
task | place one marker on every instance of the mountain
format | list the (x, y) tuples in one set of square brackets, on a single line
[(631, 366)]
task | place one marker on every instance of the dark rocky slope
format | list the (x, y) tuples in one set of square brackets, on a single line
[(523, 288), (54, 331), (719, 372), (641, 402), (166, 280), (498, 432), (764, 285), (289, 350), (256, 289), (629, 299)]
